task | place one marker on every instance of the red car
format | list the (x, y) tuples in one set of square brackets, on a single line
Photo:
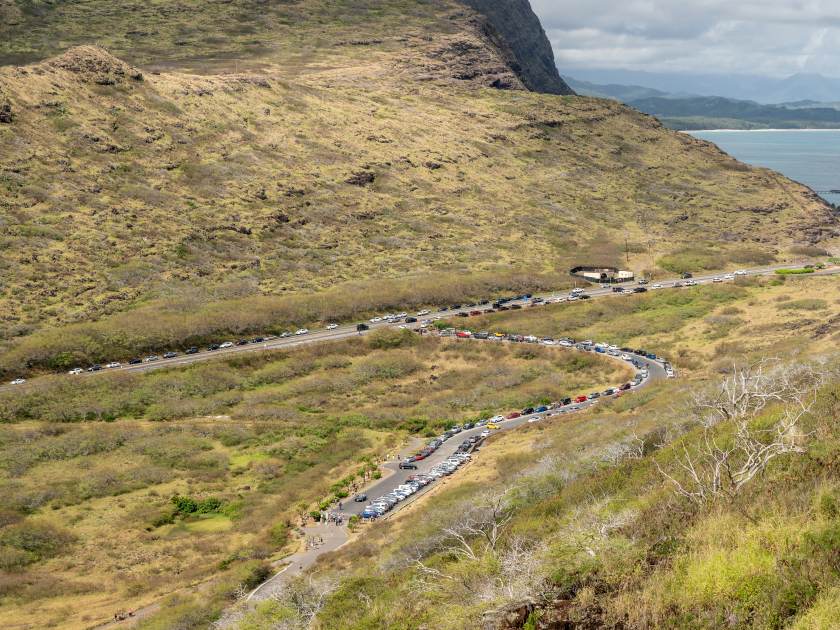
[(515, 414), (474, 313), (463, 335), (580, 399)]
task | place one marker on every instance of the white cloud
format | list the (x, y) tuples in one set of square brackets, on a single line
[(769, 37)]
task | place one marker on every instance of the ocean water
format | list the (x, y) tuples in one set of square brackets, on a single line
[(811, 157)]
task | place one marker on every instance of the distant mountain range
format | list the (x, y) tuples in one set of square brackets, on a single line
[(767, 90), (688, 111)]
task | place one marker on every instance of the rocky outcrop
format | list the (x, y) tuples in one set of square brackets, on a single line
[(93, 64), (509, 617), (5, 109), (515, 30)]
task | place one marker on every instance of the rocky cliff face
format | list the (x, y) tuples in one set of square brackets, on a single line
[(516, 31)]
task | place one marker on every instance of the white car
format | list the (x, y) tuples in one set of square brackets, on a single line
[(375, 320), (76, 371), (226, 344), (332, 326), (716, 279), (17, 381), (423, 312), (302, 331), (534, 419), (741, 272), (656, 286), (496, 419), (485, 433), (626, 357), (729, 276), (112, 364)]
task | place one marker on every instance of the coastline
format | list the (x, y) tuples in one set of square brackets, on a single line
[(752, 130)]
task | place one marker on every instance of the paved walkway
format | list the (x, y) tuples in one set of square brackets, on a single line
[(334, 536)]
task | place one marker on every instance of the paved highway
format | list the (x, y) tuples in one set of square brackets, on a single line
[(349, 330)]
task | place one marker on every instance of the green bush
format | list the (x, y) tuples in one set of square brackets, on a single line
[(31, 541), (187, 505), (794, 272)]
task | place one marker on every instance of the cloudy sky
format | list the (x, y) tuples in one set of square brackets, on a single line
[(764, 37)]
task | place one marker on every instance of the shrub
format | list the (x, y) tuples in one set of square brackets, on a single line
[(810, 304), (794, 272), (31, 541)]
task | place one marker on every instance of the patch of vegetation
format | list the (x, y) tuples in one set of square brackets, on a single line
[(794, 272)]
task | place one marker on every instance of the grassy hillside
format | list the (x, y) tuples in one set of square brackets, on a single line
[(88, 522), (363, 145), (592, 531)]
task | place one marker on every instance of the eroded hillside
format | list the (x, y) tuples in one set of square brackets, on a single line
[(366, 142)]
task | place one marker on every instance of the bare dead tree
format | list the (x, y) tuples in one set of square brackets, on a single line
[(476, 531), (723, 465)]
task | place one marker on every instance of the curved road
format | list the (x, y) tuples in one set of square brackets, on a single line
[(336, 536), (349, 330)]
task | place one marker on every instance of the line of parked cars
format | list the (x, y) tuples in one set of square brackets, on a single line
[(414, 483), (482, 307)]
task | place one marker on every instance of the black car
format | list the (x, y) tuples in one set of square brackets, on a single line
[(361, 327), (455, 307), (407, 465), (515, 307), (468, 426), (360, 498), (213, 346), (686, 276), (463, 314), (483, 302), (640, 290), (584, 296), (618, 289), (257, 340), (135, 361), (566, 401), (410, 320), (527, 411), (192, 350), (170, 355), (94, 368), (594, 395), (242, 342)]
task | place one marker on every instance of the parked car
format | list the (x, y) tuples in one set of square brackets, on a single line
[(226, 344), (580, 399), (135, 361), (192, 350), (76, 371), (408, 465), (360, 498), (302, 331), (512, 416), (170, 355), (17, 381), (332, 326)]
